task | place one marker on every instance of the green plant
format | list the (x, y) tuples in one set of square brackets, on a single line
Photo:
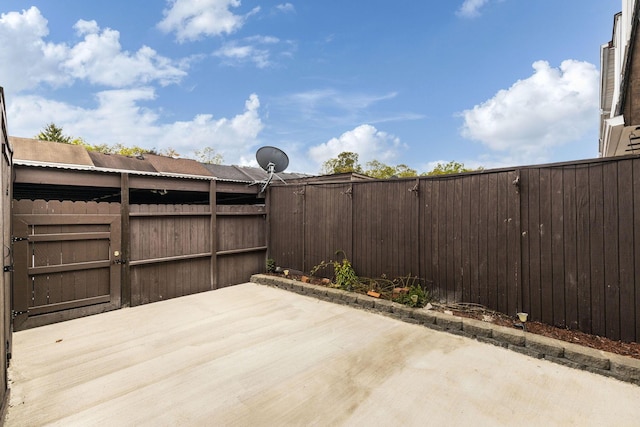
[(417, 296), (345, 276), (271, 265)]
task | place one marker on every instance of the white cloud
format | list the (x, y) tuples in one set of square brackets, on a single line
[(348, 101), (471, 8), (256, 50), (119, 118), (27, 60), (100, 60), (193, 19), (32, 61), (552, 107), (286, 7), (366, 140)]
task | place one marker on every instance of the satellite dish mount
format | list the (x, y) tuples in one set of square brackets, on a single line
[(273, 160)]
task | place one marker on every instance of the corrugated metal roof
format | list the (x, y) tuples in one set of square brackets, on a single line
[(232, 173), (51, 152), (32, 152), (114, 161), (247, 173), (177, 166)]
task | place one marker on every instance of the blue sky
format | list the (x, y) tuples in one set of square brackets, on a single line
[(485, 82)]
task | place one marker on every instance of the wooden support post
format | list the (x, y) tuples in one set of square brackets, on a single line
[(125, 291), (213, 235)]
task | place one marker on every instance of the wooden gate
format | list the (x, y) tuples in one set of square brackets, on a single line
[(66, 260)]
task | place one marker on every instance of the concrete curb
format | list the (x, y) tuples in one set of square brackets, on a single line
[(600, 362)]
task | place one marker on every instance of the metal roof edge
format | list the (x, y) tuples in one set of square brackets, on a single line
[(69, 166)]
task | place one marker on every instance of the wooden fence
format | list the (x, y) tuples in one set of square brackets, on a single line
[(78, 258), (560, 242), (5, 277)]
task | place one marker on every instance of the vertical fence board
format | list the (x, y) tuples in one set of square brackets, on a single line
[(456, 260), (636, 232), (502, 224), (596, 218), (492, 242), (513, 246), (583, 249), (570, 248), (465, 239), (483, 240), (437, 247), (426, 233), (557, 249), (546, 248), (611, 251), (474, 232), (525, 282), (626, 250)]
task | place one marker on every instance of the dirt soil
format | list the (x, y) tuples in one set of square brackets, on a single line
[(479, 312)]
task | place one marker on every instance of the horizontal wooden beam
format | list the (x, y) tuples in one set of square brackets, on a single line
[(166, 183), (154, 214), (59, 237), (241, 251), (61, 268), (33, 311), (51, 176), (66, 219), (169, 259), (240, 213), (239, 188)]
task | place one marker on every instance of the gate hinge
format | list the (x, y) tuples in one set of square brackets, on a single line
[(15, 313), (19, 239), (7, 268)]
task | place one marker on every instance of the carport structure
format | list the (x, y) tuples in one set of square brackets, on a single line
[(94, 232), (254, 355)]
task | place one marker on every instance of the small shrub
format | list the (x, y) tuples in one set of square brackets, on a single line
[(346, 277), (271, 265), (416, 297)]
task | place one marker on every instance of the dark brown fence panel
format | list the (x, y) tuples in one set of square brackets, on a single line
[(241, 243), (5, 279), (560, 242), (170, 251), (327, 223), (286, 225), (579, 246), (470, 238), (238, 268), (65, 266), (627, 264), (385, 229)]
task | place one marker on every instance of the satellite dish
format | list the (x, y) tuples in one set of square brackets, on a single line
[(273, 160), (272, 157)]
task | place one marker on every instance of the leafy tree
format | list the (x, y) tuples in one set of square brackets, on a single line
[(51, 132), (209, 156), (449, 168), (128, 151), (170, 152), (346, 161), (376, 169)]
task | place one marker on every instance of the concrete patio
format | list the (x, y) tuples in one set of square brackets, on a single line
[(254, 355)]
